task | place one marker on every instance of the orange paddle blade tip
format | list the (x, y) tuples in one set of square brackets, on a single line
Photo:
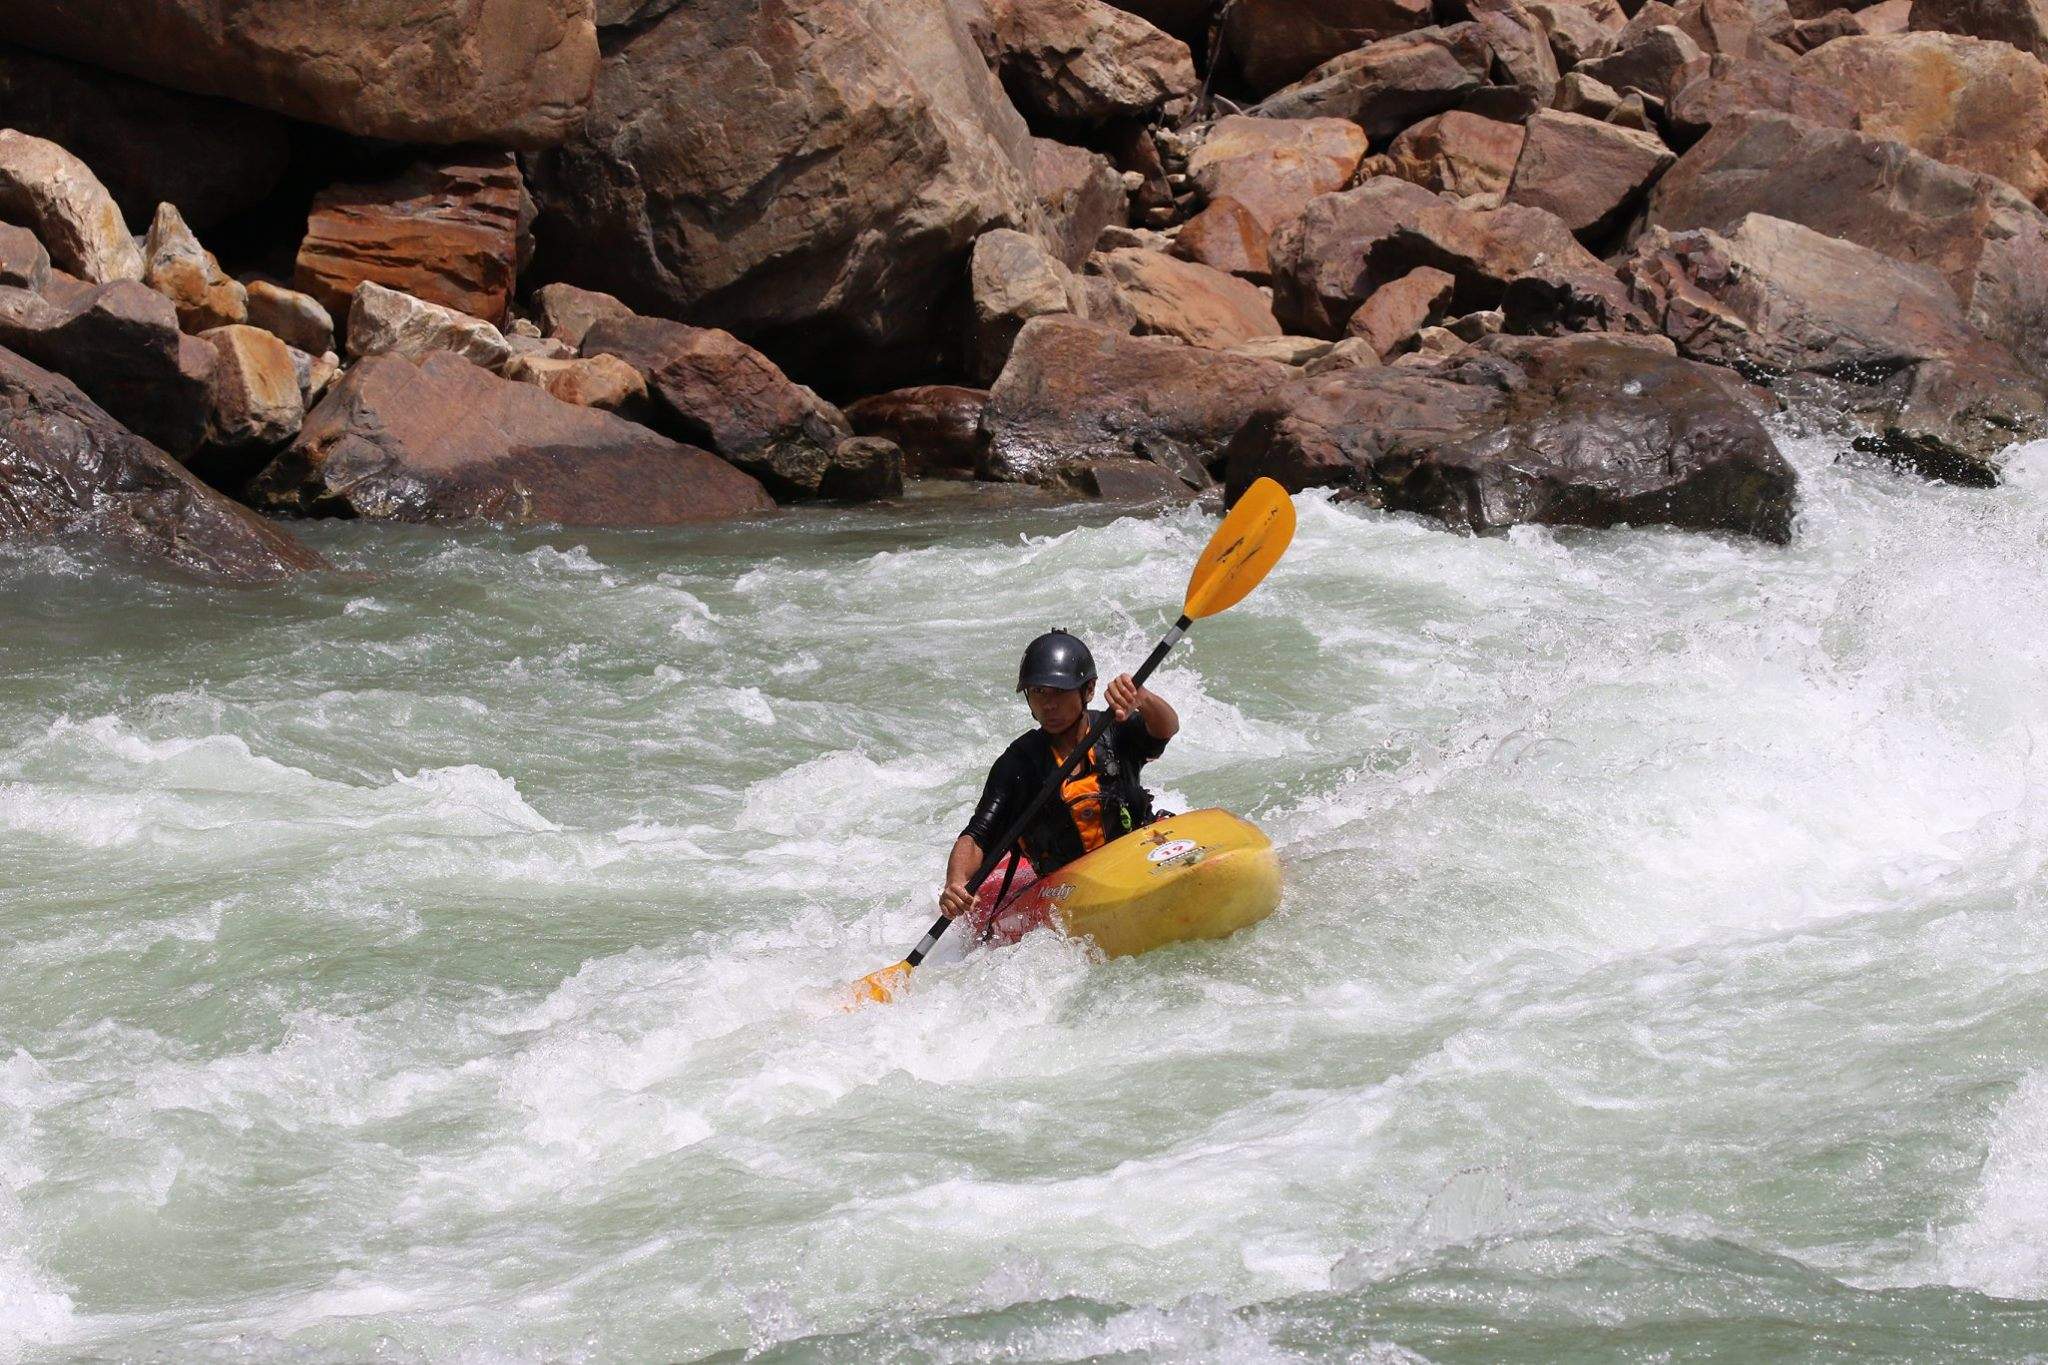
[(878, 988), (1253, 536)]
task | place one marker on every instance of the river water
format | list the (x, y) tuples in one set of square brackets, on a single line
[(433, 960)]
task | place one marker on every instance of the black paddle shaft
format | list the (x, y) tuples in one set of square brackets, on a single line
[(1015, 832)]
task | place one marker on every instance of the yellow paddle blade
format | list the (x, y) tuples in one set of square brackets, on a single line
[(878, 988), (1250, 541)]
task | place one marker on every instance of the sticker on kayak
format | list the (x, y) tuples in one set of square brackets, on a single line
[(1176, 853)]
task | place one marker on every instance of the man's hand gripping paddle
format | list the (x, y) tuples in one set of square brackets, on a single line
[(1250, 541)]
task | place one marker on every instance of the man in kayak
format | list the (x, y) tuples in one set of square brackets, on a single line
[(1100, 802)]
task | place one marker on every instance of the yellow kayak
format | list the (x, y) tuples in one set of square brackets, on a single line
[(1205, 874)]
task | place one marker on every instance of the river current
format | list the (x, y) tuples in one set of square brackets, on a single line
[(434, 960)]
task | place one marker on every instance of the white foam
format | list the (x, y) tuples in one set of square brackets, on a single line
[(2001, 1244)]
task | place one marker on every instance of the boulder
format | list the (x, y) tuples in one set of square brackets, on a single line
[(1568, 431), (55, 195), (176, 266), (146, 144), (1733, 85), (1577, 32), (1285, 349), (937, 427), (1554, 300), (713, 390), (68, 471), (1225, 236), (1658, 65), (294, 318), (257, 403), (314, 373), (1385, 86), (515, 73), (1274, 42), (1177, 298), (1083, 62), (568, 313), (446, 231), (1735, 28), (23, 262), (1981, 235), (1013, 279), (441, 440), (1074, 394), (1522, 59), (599, 381), (1397, 310), (862, 469), (1590, 174), (1347, 245), (1953, 420), (1273, 167), (1459, 153), (2022, 23), (383, 321), (1080, 193), (809, 175), (1979, 105), (119, 343), (1579, 93)]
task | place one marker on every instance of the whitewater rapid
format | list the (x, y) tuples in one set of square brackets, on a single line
[(434, 959)]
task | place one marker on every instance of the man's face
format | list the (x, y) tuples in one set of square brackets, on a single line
[(1058, 708)]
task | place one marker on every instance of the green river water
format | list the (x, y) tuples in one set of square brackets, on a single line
[(433, 960)]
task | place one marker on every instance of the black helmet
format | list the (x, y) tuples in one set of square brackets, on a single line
[(1056, 659)]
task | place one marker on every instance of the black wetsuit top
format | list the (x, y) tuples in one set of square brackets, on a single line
[(1052, 840)]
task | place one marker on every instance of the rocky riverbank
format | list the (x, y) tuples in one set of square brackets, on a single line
[(1488, 261)]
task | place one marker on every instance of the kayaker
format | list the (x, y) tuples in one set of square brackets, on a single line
[(1100, 802)]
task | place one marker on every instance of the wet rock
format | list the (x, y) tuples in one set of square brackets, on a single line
[(1560, 301), (1389, 320), (1176, 298), (1388, 85), (119, 343), (713, 390), (55, 195), (1458, 152), (937, 427), (442, 440), (294, 318), (1733, 85), (568, 313), (147, 145), (176, 266), (1083, 62), (1574, 431), (1274, 42), (515, 74), (446, 231), (1659, 65), (385, 322), (1590, 174), (759, 168), (1080, 192), (1954, 420), (600, 381), (2022, 23), (1985, 239), (1979, 105), (1225, 236), (862, 469), (1075, 393), (1014, 279), (23, 262), (69, 471), (1273, 167)]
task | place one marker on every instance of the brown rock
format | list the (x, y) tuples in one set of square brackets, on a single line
[(1522, 58), (712, 389), (1571, 431), (1589, 174), (446, 231), (69, 471), (937, 427), (1285, 349), (441, 440), (1225, 236), (1385, 86), (1984, 238), (23, 262), (120, 343), (1659, 65), (516, 73), (1560, 301), (257, 404), (2023, 23), (52, 193), (147, 145), (176, 266), (760, 168), (1075, 393), (1274, 42), (1733, 85), (1389, 320), (1577, 32), (1273, 167), (383, 321), (1013, 279), (294, 318), (1579, 93), (1808, 34), (1079, 62), (1979, 105), (568, 313), (1458, 152), (1176, 298), (1887, 16), (1080, 193), (599, 381), (862, 469)]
